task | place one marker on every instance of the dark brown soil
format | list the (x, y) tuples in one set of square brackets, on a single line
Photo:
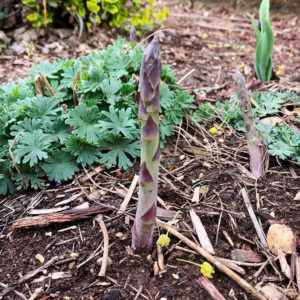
[(221, 210)]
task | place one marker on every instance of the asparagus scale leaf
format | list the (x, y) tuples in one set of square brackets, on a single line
[(149, 106), (253, 141)]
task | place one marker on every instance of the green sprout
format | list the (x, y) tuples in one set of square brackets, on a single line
[(265, 40)]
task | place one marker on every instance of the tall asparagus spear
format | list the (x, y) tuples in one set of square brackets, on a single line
[(253, 140), (149, 106)]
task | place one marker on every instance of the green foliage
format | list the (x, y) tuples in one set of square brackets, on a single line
[(281, 140), (265, 40), (114, 12), (52, 143)]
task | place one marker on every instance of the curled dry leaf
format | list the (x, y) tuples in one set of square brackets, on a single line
[(280, 237)]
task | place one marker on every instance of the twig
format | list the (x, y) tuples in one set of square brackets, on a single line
[(136, 290), (214, 260), (128, 195), (13, 159), (47, 83), (210, 288), (91, 256), (160, 258), (28, 276), (258, 228), (138, 293), (104, 263), (185, 76)]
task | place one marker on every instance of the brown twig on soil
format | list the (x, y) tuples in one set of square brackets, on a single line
[(104, 263), (258, 228), (13, 158), (136, 290), (28, 276), (160, 257), (205, 283), (62, 217), (47, 83), (214, 260), (128, 195)]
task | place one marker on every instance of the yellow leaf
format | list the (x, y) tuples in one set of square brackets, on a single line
[(175, 276), (207, 269), (163, 240), (213, 130)]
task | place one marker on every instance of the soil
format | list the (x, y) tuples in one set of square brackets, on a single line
[(213, 43)]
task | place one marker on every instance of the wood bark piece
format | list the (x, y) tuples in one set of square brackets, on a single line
[(298, 272), (210, 288), (128, 195), (285, 268), (272, 293), (62, 217), (214, 260), (104, 263), (246, 256), (201, 233), (258, 228), (28, 276)]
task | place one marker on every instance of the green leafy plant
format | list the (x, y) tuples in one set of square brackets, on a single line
[(141, 14), (149, 106), (265, 40), (52, 136), (280, 140)]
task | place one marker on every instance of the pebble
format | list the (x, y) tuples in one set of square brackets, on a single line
[(112, 295)]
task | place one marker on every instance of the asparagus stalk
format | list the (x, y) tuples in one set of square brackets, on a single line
[(253, 140), (149, 106)]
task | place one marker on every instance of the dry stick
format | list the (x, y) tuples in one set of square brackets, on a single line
[(136, 290), (212, 259), (258, 228), (160, 257), (47, 83), (128, 195), (104, 263), (45, 12), (13, 159), (28, 276), (210, 288)]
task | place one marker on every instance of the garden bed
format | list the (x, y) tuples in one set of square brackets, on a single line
[(205, 54)]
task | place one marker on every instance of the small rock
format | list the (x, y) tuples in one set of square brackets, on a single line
[(112, 295), (25, 35), (109, 261), (167, 291), (62, 33), (19, 48)]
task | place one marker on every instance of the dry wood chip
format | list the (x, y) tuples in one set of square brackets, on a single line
[(246, 256)]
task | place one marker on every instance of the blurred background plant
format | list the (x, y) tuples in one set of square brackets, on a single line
[(89, 13)]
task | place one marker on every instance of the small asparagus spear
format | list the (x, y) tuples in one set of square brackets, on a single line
[(253, 140), (149, 106)]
